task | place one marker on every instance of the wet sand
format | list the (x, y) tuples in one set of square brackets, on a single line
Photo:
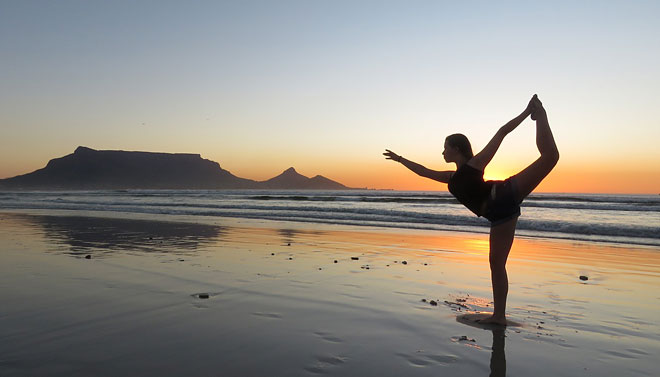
[(110, 296)]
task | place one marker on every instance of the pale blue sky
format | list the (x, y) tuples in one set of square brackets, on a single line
[(325, 86)]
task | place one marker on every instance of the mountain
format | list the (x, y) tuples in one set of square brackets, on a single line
[(89, 169), (291, 178)]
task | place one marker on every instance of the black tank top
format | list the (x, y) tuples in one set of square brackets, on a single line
[(468, 186)]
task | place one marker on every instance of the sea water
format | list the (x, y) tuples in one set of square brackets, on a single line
[(621, 219)]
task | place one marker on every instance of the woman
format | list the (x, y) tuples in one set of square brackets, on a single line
[(498, 201)]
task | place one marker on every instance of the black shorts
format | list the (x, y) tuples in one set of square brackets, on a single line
[(502, 204)]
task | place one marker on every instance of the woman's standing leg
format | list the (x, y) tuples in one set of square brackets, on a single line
[(501, 239)]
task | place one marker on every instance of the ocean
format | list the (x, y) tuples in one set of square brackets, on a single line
[(618, 219)]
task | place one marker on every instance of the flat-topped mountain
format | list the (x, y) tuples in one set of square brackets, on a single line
[(89, 169)]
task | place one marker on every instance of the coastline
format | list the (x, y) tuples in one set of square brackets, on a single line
[(135, 306), (624, 220)]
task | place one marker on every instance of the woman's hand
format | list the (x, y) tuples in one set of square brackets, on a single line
[(389, 155)]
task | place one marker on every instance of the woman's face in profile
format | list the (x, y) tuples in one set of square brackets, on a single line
[(448, 153)]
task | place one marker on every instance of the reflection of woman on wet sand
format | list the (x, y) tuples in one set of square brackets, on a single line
[(498, 201), (497, 356)]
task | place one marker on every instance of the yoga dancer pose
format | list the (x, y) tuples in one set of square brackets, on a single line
[(497, 201)]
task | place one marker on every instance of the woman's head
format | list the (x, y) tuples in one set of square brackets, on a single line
[(457, 145)]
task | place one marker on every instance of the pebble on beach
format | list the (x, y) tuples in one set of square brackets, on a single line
[(355, 258), (433, 303), (88, 256), (584, 278), (404, 262), (203, 295)]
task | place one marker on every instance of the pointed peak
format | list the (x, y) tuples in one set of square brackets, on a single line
[(290, 170)]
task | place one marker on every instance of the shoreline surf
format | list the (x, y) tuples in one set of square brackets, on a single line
[(613, 219)]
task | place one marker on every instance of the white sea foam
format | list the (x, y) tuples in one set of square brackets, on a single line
[(631, 219)]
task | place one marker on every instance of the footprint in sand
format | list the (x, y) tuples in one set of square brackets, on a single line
[(268, 315), (629, 353), (328, 337), (358, 297), (203, 295), (420, 359), (324, 362)]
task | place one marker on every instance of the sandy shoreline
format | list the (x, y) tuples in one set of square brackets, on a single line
[(279, 304)]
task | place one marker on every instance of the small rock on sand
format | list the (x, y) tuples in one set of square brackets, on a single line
[(203, 295), (88, 256), (584, 278), (404, 262), (355, 258), (335, 261), (433, 303)]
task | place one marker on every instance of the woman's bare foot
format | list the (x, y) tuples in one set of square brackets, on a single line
[(537, 110), (492, 320)]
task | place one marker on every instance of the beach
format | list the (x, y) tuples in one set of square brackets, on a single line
[(100, 294), (313, 188)]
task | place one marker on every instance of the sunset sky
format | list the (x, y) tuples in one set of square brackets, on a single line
[(326, 86)]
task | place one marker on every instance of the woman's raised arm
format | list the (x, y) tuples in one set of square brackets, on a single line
[(481, 159), (440, 176)]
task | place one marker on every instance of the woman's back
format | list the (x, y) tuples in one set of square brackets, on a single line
[(468, 186)]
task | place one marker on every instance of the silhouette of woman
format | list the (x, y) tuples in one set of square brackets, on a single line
[(497, 201)]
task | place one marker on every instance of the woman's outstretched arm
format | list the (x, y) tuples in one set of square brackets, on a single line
[(481, 160), (440, 176)]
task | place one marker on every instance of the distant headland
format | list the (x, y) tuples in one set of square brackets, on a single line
[(89, 169)]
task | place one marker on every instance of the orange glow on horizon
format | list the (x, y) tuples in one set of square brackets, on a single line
[(376, 174), (576, 179)]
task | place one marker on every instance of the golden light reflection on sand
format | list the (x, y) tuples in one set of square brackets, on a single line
[(268, 281)]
